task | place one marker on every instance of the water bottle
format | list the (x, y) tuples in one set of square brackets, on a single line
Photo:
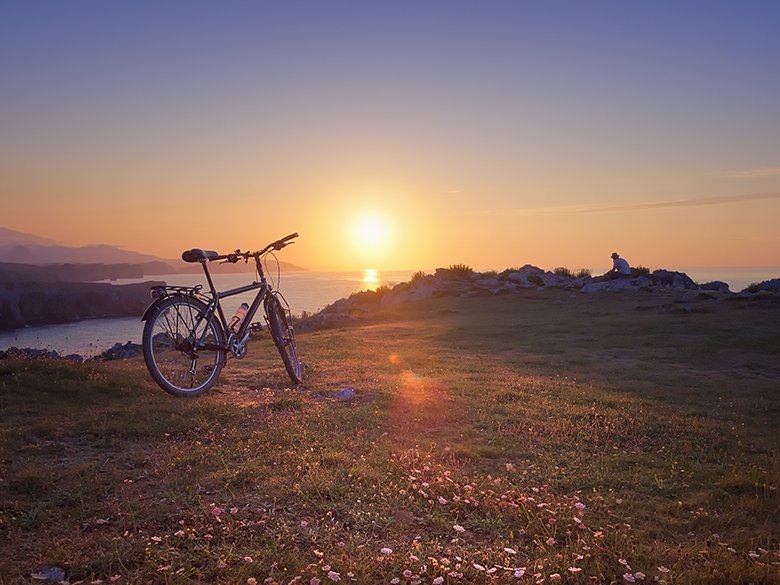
[(235, 322)]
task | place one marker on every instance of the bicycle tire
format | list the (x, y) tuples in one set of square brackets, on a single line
[(284, 338), (172, 357)]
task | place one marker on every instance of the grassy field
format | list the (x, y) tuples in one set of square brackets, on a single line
[(547, 437)]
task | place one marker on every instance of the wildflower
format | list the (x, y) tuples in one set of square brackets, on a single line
[(216, 511), (663, 569), (248, 560), (579, 506), (478, 567), (438, 581), (629, 577), (395, 581), (407, 573), (251, 581), (639, 575), (386, 551), (458, 528), (519, 572), (752, 554), (577, 520), (315, 581), (510, 551), (334, 576), (550, 541), (555, 576), (574, 569), (442, 501)]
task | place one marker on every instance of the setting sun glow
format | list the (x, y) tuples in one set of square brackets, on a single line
[(371, 231)]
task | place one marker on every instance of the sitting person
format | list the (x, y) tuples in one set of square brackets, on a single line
[(620, 267)]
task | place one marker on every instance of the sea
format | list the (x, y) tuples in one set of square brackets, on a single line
[(305, 292)]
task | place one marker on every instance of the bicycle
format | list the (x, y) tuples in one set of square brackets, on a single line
[(187, 339)]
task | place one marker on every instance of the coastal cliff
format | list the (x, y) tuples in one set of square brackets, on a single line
[(42, 304)]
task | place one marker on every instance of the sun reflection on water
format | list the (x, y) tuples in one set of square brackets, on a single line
[(370, 280)]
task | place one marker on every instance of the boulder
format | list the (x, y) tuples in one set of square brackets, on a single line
[(521, 275), (715, 285), (120, 352), (771, 285), (672, 279)]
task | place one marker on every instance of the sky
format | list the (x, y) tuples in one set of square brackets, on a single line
[(397, 135)]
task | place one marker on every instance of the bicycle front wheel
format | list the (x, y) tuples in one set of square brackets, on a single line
[(182, 350), (284, 338)]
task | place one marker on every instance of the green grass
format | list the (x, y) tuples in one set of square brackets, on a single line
[(547, 431)]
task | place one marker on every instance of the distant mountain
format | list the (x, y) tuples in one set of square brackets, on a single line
[(22, 248), (12, 237), (54, 254)]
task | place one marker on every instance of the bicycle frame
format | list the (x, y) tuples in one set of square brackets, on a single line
[(215, 305), (212, 301)]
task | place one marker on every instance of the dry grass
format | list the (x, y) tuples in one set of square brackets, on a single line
[(548, 437)]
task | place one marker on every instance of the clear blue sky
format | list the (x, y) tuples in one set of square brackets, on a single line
[(470, 112)]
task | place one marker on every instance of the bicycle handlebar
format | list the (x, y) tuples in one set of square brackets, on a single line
[(234, 257)]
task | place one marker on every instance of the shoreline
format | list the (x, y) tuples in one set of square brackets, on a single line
[(446, 283)]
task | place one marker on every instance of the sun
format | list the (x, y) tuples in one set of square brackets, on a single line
[(370, 231)]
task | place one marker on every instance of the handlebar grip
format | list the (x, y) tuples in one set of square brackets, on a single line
[(279, 244)]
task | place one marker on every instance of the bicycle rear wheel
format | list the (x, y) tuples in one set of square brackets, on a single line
[(181, 349), (284, 337)]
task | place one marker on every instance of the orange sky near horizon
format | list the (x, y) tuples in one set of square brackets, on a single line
[(526, 133)]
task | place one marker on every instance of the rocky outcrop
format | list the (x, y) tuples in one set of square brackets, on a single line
[(43, 304), (767, 286), (447, 282)]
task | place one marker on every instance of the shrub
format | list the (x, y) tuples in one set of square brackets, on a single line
[(460, 270), (561, 271), (489, 274), (640, 271), (537, 280), (583, 273), (419, 275)]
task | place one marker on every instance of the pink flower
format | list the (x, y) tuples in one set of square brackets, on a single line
[(386, 551), (629, 577)]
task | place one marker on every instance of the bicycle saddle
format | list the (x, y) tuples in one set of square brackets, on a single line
[(197, 255)]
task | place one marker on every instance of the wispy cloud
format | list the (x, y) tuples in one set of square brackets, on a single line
[(753, 173), (695, 202)]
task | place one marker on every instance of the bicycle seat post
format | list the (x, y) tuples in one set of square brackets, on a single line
[(204, 263)]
